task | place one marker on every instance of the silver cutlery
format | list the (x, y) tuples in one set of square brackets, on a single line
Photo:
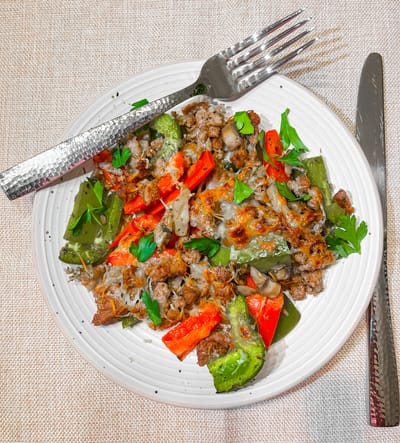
[(226, 76), (383, 378)]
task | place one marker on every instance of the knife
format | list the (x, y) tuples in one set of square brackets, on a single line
[(383, 378)]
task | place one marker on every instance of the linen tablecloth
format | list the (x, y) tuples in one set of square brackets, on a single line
[(56, 57)]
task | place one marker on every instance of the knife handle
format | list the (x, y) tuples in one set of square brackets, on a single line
[(48, 166), (383, 378)]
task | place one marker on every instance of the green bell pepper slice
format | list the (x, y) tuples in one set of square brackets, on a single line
[(91, 244), (262, 259), (288, 319), (316, 172), (244, 362)]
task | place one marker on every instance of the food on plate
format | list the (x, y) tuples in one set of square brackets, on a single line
[(207, 226)]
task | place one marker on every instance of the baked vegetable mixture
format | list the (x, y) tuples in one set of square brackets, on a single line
[(207, 226)]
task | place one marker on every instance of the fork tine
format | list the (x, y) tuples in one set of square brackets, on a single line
[(256, 77), (241, 58), (260, 62), (254, 38)]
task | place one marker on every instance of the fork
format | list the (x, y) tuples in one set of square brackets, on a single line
[(225, 76)]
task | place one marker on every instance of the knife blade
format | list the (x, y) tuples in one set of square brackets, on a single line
[(383, 377)]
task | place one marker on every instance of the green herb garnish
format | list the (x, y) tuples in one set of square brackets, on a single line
[(98, 190), (153, 308), (139, 104), (120, 156), (288, 194), (199, 89), (89, 214), (243, 123), (241, 191), (206, 245), (144, 249), (346, 237), (289, 136)]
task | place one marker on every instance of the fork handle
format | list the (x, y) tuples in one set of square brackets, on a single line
[(48, 166), (383, 378)]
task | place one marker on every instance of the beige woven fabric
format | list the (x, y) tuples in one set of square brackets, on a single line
[(56, 57)]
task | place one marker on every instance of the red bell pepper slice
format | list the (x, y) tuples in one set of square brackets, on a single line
[(266, 312), (200, 170), (274, 150), (196, 174), (121, 258), (165, 184), (184, 337), (138, 226), (250, 282), (111, 179), (103, 156), (135, 205)]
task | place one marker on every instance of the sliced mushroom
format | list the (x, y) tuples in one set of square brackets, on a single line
[(231, 136), (265, 285), (246, 290), (180, 211)]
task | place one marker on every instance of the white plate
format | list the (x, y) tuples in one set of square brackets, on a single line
[(136, 358)]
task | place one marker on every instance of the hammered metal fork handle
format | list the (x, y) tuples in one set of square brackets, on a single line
[(49, 165), (383, 385)]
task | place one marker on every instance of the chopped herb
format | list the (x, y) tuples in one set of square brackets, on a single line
[(289, 136), (288, 194), (128, 322), (86, 217), (98, 190), (153, 308), (292, 158), (205, 245), (120, 156), (144, 249), (139, 104), (243, 123), (241, 191), (199, 89), (230, 166), (346, 237)]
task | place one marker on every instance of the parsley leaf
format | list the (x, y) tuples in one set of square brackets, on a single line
[(139, 104), (241, 191), (243, 123), (98, 190), (205, 245), (292, 158), (289, 136), (144, 249), (199, 89), (288, 194), (120, 157), (153, 308), (346, 237), (76, 225), (136, 105)]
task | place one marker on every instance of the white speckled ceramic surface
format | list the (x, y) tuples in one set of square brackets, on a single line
[(136, 358)]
